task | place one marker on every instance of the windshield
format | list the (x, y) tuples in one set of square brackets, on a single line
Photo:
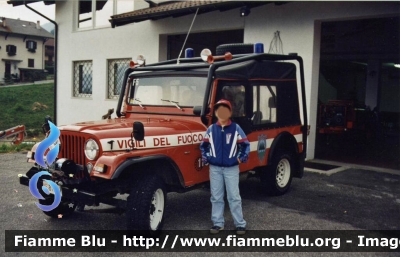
[(168, 91)]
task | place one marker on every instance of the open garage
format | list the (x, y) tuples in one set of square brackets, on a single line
[(359, 92)]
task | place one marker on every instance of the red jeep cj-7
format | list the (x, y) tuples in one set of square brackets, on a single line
[(164, 109)]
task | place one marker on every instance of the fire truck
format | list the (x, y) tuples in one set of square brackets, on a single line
[(152, 147)]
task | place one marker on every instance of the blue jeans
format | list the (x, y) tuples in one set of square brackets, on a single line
[(228, 176)]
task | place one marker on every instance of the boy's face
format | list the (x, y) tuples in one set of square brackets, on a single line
[(223, 113)]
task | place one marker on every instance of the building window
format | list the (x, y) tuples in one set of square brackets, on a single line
[(103, 15), (116, 71), (31, 46), (11, 50), (83, 79), (85, 14), (103, 10), (31, 63)]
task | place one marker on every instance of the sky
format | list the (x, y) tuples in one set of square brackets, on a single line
[(8, 11)]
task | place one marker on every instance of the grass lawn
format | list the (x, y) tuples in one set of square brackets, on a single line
[(26, 105), (8, 148)]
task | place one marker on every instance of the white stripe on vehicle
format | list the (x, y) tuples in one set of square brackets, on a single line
[(123, 143), (299, 138), (254, 144)]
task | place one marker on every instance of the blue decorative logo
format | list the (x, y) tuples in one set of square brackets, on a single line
[(35, 192), (53, 144), (261, 146), (50, 142)]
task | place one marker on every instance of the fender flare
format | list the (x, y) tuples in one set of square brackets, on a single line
[(131, 161), (290, 144), (282, 137)]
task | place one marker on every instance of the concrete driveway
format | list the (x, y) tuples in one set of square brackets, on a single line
[(352, 199)]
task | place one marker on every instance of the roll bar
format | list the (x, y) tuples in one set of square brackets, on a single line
[(196, 63)]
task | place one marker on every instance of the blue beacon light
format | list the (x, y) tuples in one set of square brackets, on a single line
[(189, 53), (258, 48)]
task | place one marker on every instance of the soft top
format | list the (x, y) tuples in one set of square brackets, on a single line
[(257, 69)]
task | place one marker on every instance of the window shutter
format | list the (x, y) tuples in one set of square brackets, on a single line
[(31, 45), (11, 49)]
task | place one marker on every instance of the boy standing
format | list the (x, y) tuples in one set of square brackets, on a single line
[(224, 147)]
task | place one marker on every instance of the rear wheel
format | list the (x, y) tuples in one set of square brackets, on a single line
[(146, 204), (277, 178)]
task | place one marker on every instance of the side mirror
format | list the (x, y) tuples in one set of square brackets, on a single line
[(138, 131), (197, 110), (46, 126), (108, 114)]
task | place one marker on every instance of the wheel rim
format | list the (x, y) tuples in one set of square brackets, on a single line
[(283, 173), (156, 209)]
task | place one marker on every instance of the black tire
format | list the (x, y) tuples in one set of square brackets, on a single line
[(65, 208), (141, 204), (235, 49), (273, 182)]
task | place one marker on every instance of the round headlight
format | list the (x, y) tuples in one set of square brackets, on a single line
[(91, 149)]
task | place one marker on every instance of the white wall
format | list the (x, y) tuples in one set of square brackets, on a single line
[(99, 45), (298, 22)]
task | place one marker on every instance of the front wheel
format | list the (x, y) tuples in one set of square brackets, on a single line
[(277, 178), (146, 204)]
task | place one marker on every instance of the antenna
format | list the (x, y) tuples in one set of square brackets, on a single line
[(184, 43)]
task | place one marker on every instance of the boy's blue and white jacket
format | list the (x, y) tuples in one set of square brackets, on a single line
[(221, 146)]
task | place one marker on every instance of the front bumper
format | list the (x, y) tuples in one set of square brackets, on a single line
[(73, 194)]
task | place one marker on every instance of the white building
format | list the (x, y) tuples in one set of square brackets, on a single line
[(96, 48), (22, 48)]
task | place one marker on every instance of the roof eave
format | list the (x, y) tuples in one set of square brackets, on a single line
[(21, 2), (221, 6), (30, 35)]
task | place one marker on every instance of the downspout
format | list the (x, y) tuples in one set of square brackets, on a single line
[(55, 58)]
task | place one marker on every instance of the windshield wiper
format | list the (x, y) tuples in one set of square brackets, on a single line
[(139, 102), (174, 102)]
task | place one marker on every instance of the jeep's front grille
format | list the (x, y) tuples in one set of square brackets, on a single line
[(72, 148)]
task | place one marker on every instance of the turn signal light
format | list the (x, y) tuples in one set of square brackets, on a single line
[(99, 167)]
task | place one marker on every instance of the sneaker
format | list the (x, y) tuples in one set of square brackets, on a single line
[(216, 229), (240, 230)]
